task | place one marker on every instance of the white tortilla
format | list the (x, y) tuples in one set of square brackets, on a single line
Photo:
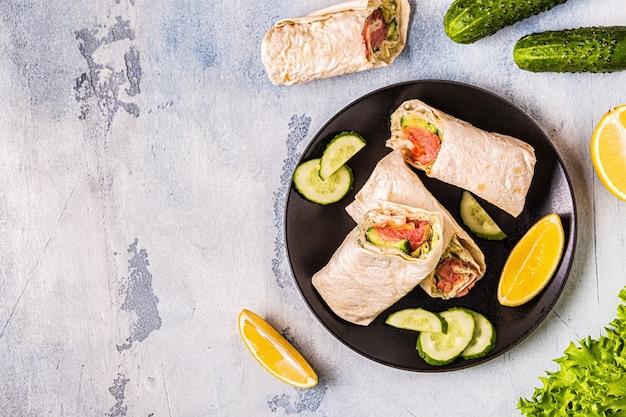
[(495, 167), (326, 43), (393, 180), (362, 280)]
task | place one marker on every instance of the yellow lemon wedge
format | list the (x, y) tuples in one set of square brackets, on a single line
[(274, 352), (608, 150), (532, 262)]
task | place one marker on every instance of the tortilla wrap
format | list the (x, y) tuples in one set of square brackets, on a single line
[(493, 166), (393, 180), (362, 280), (330, 42)]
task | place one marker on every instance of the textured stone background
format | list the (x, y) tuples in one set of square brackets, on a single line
[(144, 164)]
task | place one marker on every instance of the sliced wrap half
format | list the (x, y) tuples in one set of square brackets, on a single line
[(462, 262), (496, 167), (348, 37), (367, 275)]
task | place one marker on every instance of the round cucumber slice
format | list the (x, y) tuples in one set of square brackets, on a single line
[(483, 340), (442, 348), (478, 220), (309, 184), (343, 147), (417, 319)]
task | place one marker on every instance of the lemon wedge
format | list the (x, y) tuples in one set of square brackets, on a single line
[(532, 262), (608, 150), (274, 352)]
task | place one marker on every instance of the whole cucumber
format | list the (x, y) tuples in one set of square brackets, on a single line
[(467, 21), (587, 49)]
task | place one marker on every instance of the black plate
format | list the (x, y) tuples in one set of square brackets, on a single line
[(313, 232)]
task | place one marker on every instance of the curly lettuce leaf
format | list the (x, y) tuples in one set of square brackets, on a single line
[(591, 380)]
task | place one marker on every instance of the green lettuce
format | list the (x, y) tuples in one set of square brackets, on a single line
[(591, 380)]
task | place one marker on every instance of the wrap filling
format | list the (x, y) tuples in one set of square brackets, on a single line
[(413, 237), (456, 273), (425, 138), (380, 31)]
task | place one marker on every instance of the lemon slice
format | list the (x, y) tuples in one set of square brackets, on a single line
[(608, 151), (532, 262), (274, 352)]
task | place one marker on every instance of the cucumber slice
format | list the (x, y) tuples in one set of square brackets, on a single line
[(343, 147), (442, 348), (309, 184), (477, 220), (483, 340), (417, 319)]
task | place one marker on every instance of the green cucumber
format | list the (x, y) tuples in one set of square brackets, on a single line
[(586, 49), (483, 340), (374, 238), (338, 151), (308, 183), (478, 220), (442, 348), (417, 319), (416, 121), (392, 30), (467, 21)]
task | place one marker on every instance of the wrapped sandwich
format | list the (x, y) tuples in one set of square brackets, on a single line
[(461, 264), (390, 251), (352, 36), (496, 167)]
